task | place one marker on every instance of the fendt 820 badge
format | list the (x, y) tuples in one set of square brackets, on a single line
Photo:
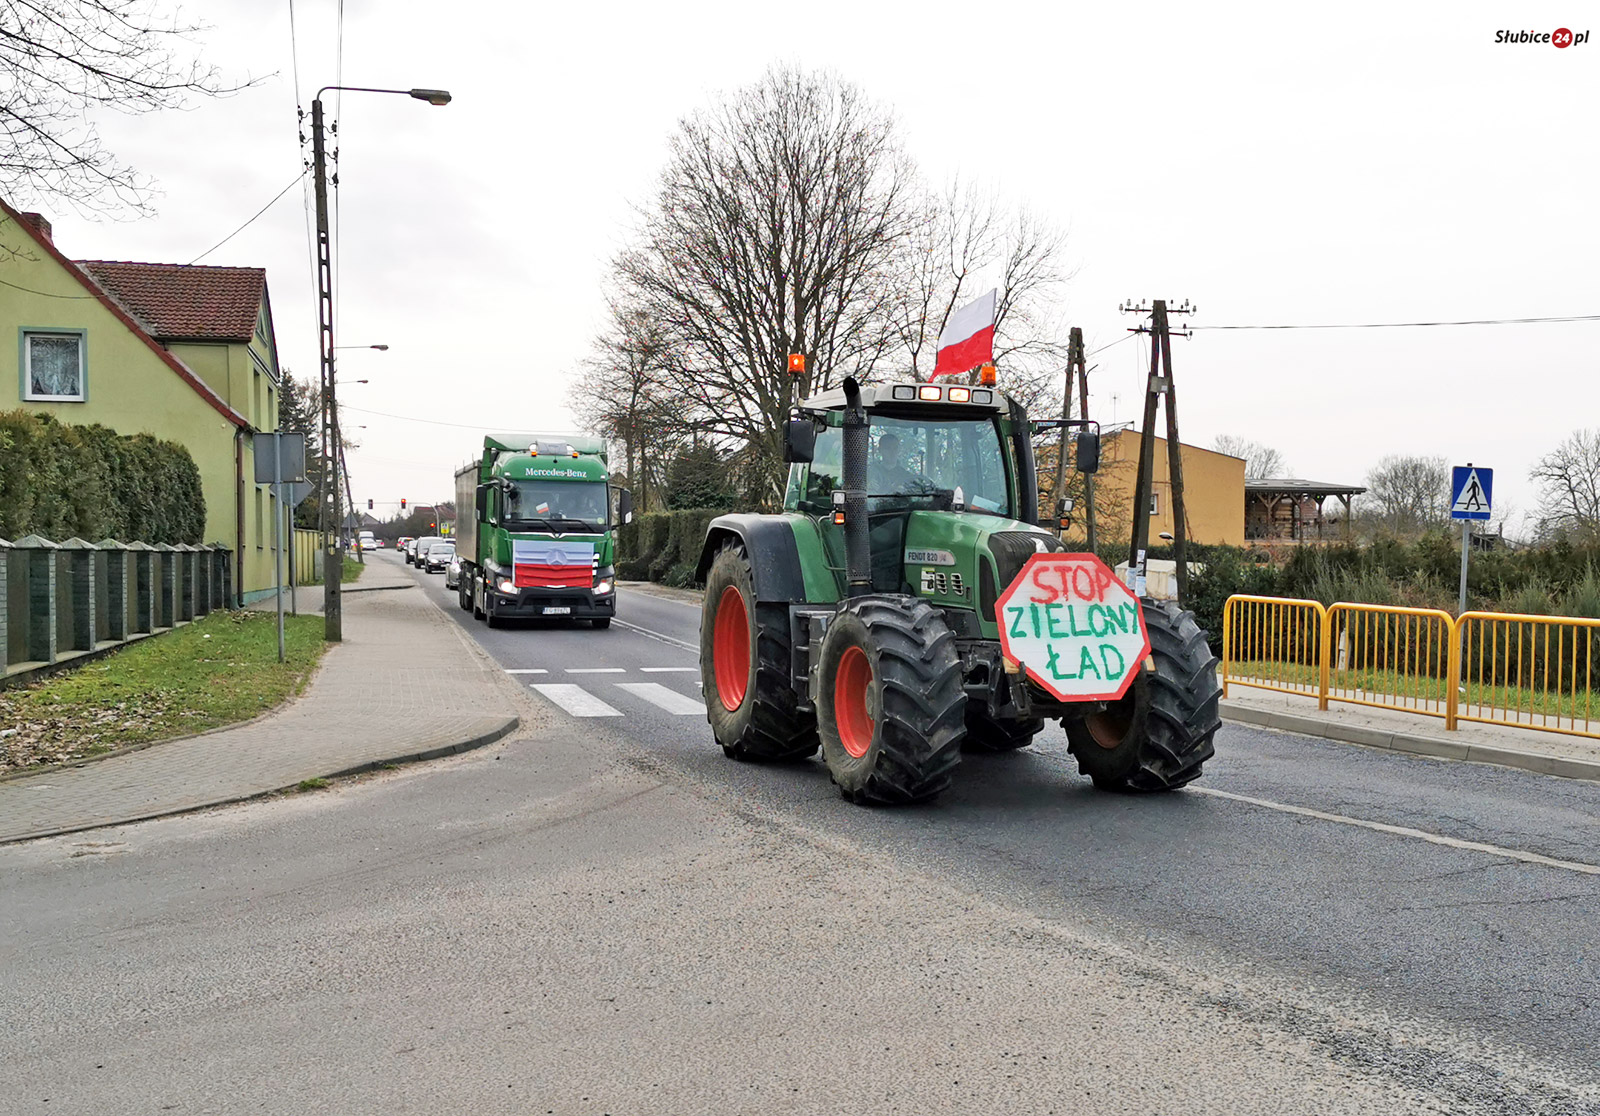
[(907, 604)]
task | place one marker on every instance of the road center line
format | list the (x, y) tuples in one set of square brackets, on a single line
[(1406, 831), (597, 670), (528, 670), (676, 642), (669, 670)]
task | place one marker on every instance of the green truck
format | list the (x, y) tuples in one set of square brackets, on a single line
[(534, 529)]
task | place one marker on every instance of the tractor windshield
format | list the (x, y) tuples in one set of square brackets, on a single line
[(915, 463)]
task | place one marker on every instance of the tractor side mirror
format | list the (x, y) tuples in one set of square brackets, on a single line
[(624, 506), (480, 502), (799, 440), (1088, 452)]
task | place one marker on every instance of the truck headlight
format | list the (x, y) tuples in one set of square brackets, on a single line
[(507, 586), (603, 587)]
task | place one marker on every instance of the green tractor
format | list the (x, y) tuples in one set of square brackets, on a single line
[(862, 619)]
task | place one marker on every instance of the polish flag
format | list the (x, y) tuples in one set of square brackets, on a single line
[(968, 338)]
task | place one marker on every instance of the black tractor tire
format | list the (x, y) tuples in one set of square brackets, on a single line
[(464, 593), (987, 735), (891, 710), (764, 722), (601, 624), (1160, 733)]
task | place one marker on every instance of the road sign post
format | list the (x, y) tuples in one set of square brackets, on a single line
[(280, 458), (1074, 628), (1471, 497)]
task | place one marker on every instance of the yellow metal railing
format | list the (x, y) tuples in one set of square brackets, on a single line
[(1273, 643), (1390, 658), (1534, 672)]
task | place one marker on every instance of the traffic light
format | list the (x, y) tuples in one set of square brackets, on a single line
[(402, 503), (369, 505)]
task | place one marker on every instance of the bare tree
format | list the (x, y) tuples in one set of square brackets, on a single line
[(1407, 495), (61, 59), (779, 214), (1569, 484), (621, 395), (961, 243), (1260, 461)]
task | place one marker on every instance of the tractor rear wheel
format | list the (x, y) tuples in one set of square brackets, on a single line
[(987, 735), (745, 665), (1160, 733), (890, 708)]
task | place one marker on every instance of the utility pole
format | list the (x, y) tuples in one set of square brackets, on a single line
[(332, 513), (1160, 383), (1075, 367)]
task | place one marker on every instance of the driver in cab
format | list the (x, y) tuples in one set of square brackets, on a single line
[(886, 476)]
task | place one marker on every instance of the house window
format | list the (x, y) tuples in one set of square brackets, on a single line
[(53, 367), (1155, 503)]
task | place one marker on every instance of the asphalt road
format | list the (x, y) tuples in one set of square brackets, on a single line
[(612, 917)]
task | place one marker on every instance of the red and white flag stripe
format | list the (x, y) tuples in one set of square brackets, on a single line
[(968, 338)]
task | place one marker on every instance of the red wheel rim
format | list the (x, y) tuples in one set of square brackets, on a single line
[(730, 648), (850, 685)]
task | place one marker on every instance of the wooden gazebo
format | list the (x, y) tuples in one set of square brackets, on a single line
[(1290, 509)]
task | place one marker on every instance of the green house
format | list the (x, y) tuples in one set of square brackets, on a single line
[(178, 352)]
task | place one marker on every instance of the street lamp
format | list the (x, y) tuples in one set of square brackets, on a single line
[(380, 348), (333, 514)]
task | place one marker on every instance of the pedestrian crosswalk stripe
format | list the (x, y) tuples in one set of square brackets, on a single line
[(669, 670), (661, 697), (576, 700), (597, 670)]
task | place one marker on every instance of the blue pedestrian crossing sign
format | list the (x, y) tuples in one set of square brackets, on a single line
[(1470, 491)]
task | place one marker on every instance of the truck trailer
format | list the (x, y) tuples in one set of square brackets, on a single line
[(535, 522)]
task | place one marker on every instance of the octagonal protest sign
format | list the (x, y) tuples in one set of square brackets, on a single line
[(1075, 628)]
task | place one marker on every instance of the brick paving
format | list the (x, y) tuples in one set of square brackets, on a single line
[(404, 684)]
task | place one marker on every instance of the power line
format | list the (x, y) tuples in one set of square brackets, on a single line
[(44, 294), (248, 223), (1407, 325), (408, 418)]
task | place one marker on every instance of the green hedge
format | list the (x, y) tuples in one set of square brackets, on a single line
[(58, 480), (663, 546)]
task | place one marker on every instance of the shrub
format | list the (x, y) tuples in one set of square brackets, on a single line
[(60, 480)]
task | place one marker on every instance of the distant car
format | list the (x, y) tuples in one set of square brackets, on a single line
[(452, 572), (402, 542), (366, 541), (418, 549), (438, 556)]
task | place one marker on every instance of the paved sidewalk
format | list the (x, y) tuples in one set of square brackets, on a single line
[(1549, 753), (405, 684)]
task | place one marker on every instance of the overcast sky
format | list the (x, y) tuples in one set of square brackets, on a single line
[(1281, 165)]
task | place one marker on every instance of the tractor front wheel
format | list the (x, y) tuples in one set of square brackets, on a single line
[(1157, 736), (890, 708), (745, 666)]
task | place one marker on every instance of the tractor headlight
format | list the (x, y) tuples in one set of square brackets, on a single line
[(602, 587), (507, 586)]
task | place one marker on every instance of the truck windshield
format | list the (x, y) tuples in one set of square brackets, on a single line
[(547, 503)]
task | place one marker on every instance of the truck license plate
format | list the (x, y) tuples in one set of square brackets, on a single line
[(558, 612)]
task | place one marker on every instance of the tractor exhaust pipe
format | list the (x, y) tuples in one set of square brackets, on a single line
[(857, 547)]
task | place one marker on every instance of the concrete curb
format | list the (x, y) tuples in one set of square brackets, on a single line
[(505, 728), (1412, 744)]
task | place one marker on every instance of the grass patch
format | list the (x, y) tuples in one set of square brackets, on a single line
[(352, 570), (217, 671), (317, 783)]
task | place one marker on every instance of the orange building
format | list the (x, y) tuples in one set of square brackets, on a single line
[(1213, 492)]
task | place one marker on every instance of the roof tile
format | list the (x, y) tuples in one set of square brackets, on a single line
[(177, 302)]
